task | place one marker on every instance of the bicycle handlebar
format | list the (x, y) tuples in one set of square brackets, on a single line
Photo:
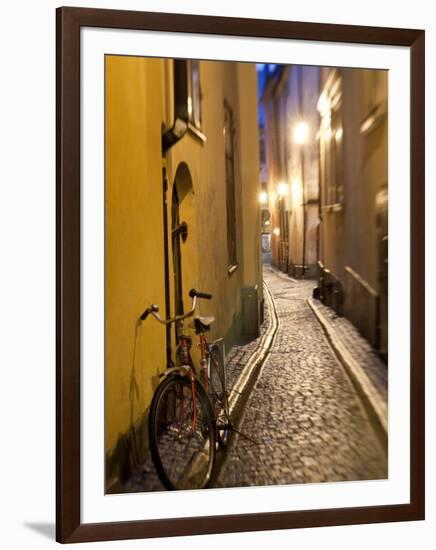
[(195, 293), (154, 309)]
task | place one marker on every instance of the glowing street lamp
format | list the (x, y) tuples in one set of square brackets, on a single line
[(301, 132), (323, 104), (282, 189), (263, 197)]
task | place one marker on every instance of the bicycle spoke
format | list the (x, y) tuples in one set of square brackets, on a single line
[(182, 449)]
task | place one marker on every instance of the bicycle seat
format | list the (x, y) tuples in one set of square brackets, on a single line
[(203, 323)]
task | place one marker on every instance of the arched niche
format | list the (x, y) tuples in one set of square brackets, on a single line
[(184, 254)]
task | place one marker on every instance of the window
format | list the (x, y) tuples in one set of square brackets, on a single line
[(230, 186), (194, 94), (329, 106)]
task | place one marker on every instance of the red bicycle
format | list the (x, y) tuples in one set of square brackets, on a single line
[(189, 415)]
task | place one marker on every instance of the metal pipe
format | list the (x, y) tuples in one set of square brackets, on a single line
[(181, 113), (166, 260), (169, 138)]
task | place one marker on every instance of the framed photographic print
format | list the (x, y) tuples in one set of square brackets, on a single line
[(240, 274)]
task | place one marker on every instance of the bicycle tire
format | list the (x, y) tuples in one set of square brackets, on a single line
[(218, 395), (184, 457)]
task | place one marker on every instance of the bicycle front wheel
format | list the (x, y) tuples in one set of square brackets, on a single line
[(182, 434)]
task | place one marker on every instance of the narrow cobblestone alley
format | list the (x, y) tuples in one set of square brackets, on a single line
[(304, 413), (304, 417)]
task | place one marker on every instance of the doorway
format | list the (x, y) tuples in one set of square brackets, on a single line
[(183, 240)]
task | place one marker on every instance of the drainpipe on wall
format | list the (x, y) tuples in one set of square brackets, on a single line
[(181, 114), (169, 138)]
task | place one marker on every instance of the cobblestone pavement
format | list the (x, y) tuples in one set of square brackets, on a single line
[(359, 348), (304, 413)]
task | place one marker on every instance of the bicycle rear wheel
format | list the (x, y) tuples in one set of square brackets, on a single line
[(218, 394), (182, 437)]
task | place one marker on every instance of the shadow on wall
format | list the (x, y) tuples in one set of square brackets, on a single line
[(47, 530), (132, 447)]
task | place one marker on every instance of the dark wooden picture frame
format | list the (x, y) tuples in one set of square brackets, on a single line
[(68, 522)]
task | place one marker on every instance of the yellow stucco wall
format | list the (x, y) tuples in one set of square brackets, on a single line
[(139, 100), (134, 251), (249, 173)]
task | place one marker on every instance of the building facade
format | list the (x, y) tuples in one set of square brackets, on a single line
[(353, 260), (182, 212)]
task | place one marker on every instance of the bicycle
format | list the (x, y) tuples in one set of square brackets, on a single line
[(189, 414)]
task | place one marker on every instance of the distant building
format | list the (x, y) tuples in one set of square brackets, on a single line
[(326, 153), (291, 124), (182, 212), (263, 197)]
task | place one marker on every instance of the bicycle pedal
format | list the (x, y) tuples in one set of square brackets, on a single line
[(225, 426)]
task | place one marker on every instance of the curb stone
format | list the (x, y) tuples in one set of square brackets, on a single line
[(257, 357), (355, 371)]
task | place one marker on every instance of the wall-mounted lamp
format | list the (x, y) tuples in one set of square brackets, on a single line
[(323, 104), (301, 132), (327, 133), (276, 231), (263, 197), (282, 189)]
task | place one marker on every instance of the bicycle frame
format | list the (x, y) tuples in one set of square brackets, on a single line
[(186, 366)]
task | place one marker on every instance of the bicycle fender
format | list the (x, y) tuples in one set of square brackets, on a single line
[(181, 369)]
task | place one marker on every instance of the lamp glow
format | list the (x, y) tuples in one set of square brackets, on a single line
[(327, 133), (276, 231), (263, 197), (282, 189), (323, 104), (301, 132)]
